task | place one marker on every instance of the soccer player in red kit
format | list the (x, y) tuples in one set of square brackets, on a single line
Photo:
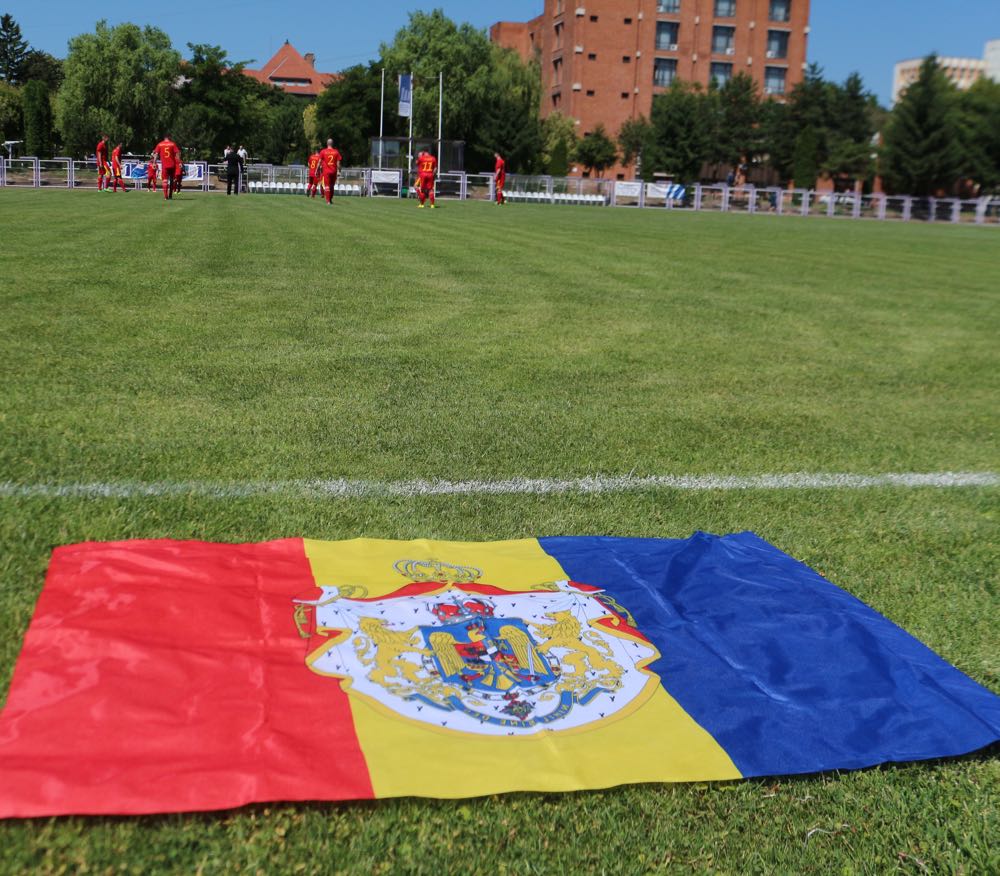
[(426, 171), (166, 151), (179, 172), (330, 160), (101, 151), (500, 170), (314, 174), (116, 167), (151, 175)]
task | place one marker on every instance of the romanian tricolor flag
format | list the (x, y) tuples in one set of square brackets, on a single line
[(162, 676)]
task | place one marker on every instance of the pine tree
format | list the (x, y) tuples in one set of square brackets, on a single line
[(922, 153), (806, 158), (13, 49), (37, 120)]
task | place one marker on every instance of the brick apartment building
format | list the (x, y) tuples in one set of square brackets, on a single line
[(604, 60)]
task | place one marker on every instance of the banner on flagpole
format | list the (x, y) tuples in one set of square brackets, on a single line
[(406, 94), (162, 676)]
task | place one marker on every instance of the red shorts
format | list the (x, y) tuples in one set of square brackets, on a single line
[(103, 169), (425, 181), (329, 179), (501, 179)]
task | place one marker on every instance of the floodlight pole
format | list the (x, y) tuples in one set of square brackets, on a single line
[(381, 119)]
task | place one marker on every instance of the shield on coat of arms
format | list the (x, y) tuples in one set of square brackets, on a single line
[(483, 659)]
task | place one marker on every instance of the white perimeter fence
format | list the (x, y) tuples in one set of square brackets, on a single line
[(38, 173)]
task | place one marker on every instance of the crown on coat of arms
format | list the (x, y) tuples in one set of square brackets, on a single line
[(434, 570)]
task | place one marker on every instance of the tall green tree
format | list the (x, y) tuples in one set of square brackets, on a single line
[(37, 120), (43, 67), (430, 44), (596, 152), (685, 124), (11, 119), (348, 111), (558, 143), (636, 142), (120, 81), (806, 160), (737, 134), (216, 103), (13, 49), (979, 113), (922, 152), (508, 121)]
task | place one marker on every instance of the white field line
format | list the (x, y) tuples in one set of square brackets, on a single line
[(353, 489)]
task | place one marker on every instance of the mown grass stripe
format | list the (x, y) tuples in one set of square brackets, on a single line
[(350, 489)]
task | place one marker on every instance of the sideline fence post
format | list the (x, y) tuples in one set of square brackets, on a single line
[(725, 199), (907, 208), (932, 209), (956, 211), (697, 197)]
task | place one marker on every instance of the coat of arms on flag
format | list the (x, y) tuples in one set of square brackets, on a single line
[(445, 650)]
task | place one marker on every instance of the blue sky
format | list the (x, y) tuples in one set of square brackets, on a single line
[(864, 35)]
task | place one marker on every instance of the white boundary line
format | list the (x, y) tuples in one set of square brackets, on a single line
[(354, 489)]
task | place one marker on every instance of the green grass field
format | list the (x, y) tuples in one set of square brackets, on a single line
[(262, 339)]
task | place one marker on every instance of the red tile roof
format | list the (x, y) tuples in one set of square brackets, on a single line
[(293, 73)]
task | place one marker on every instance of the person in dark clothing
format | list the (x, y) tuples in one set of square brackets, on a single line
[(234, 171)]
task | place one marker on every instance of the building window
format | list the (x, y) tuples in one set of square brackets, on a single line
[(556, 100), (666, 35), (781, 10), (559, 32), (557, 71), (664, 71), (592, 56), (590, 92), (725, 8), (774, 80), (626, 59), (777, 44), (628, 20), (720, 73), (624, 95), (593, 18), (724, 40), (671, 6)]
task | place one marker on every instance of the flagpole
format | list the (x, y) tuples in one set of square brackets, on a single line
[(381, 118), (440, 111), (409, 156)]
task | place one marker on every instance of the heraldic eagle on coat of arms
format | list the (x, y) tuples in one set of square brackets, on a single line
[(454, 653)]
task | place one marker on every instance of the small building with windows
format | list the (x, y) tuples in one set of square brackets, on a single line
[(293, 72), (603, 60)]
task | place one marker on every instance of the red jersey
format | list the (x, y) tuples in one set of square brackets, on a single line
[(501, 168), (426, 164), (330, 159), (166, 150), (314, 162), (102, 153), (151, 170), (116, 158)]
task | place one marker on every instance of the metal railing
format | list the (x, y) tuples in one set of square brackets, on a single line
[(62, 172)]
